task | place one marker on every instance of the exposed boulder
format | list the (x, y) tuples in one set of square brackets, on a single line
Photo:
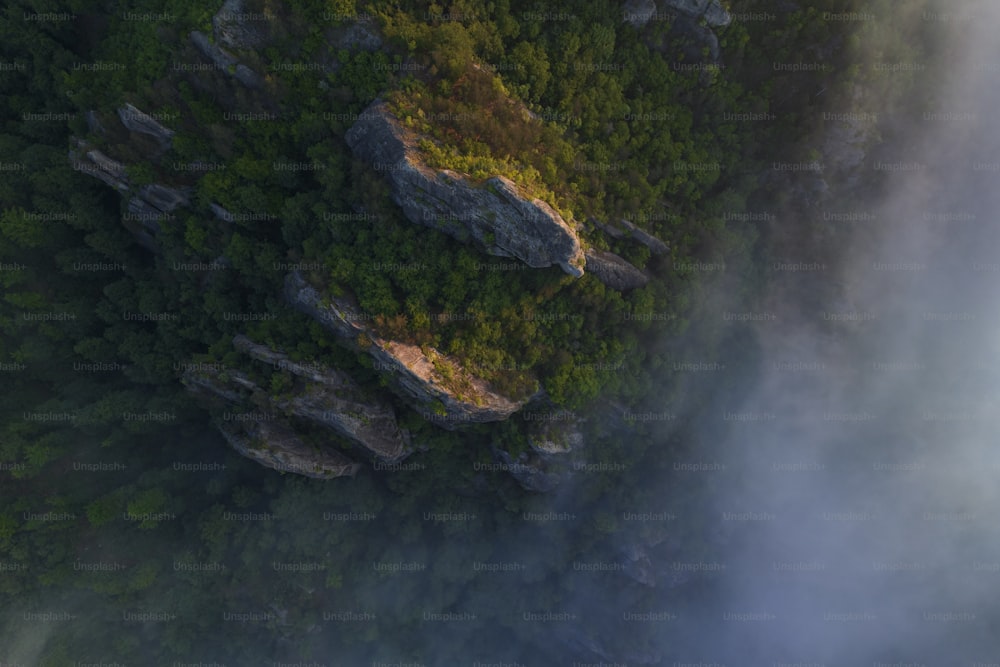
[(153, 196), (226, 61), (690, 21), (326, 397), (164, 198), (557, 436), (139, 121), (333, 399), (711, 11), (93, 122), (655, 245), (614, 271), (238, 26), (495, 216), (637, 13), (354, 36), (696, 37), (275, 445), (220, 213), (210, 382), (95, 163), (627, 231), (528, 470), (142, 220), (437, 386), (147, 205)]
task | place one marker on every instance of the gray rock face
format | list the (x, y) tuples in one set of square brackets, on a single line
[(625, 230), (93, 122), (220, 213), (712, 11), (95, 163), (529, 473), (139, 121), (689, 19), (326, 397), (226, 61), (152, 204), (614, 271), (237, 26), (558, 436), (637, 13), (495, 217), (334, 400), (655, 245), (441, 390), (147, 205), (159, 197), (355, 36), (163, 198), (209, 384), (700, 37), (275, 445), (143, 221)]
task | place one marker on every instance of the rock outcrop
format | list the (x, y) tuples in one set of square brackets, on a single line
[(557, 436), (655, 245), (692, 20), (625, 230), (139, 121), (354, 36), (639, 12), (440, 389), (323, 396), (494, 216), (711, 11), (696, 38), (334, 400), (94, 163), (528, 470), (221, 213), (226, 61), (614, 271), (148, 205), (275, 445), (238, 26)]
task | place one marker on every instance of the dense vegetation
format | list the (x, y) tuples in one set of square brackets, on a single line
[(84, 385)]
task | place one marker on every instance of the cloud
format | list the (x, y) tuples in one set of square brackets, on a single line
[(862, 506)]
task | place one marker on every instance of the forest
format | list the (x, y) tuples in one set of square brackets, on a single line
[(103, 454)]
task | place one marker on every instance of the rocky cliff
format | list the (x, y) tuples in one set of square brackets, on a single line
[(690, 20), (614, 271), (331, 398), (625, 230), (276, 445), (225, 61), (640, 12), (438, 387), (495, 216), (322, 395), (148, 205)]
